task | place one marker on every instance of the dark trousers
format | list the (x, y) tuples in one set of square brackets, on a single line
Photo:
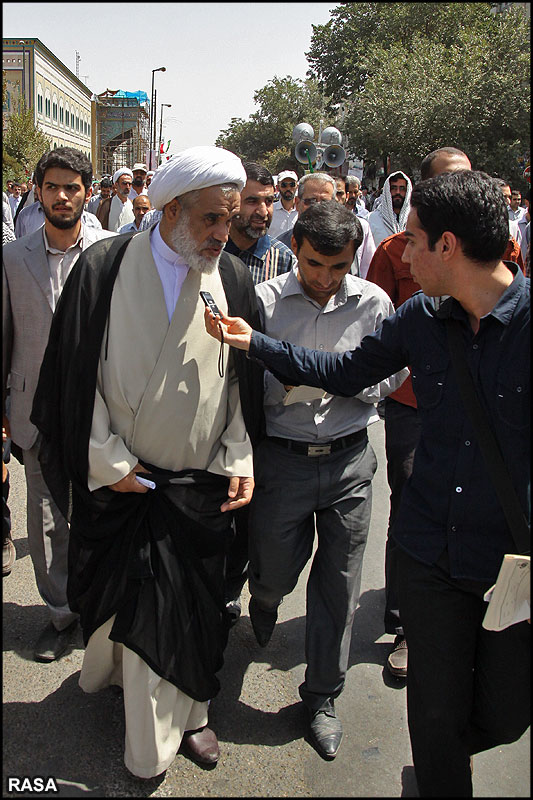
[(293, 494), (468, 689), (6, 513), (402, 432), (237, 556)]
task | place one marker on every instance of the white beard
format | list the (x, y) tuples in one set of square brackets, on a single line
[(186, 247)]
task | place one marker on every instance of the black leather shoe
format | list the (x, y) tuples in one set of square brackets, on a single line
[(325, 731), (201, 745), (263, 622), (52, 644)]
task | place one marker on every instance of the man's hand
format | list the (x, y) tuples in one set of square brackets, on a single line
[(237, 332), (130, 483), (240, 493), (6, 428)]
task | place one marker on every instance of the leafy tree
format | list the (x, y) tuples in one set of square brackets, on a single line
[(23, 145), (428, 75), (267, 135)]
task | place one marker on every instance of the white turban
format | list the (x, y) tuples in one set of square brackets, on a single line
[(195, 168), (123, 171)]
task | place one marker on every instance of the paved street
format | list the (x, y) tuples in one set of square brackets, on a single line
[(51, 728)]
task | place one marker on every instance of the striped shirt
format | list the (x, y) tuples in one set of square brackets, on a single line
[(265, 259)]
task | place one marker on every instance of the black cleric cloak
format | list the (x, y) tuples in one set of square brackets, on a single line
[(153, 559)]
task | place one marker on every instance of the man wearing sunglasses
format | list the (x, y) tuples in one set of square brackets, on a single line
[(285, 214)]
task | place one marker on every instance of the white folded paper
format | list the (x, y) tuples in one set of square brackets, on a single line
[(510, 597), (303, 394)]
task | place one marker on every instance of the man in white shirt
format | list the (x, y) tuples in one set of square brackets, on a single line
[(354, 197), (15, 198), (285, 213), (141, 206), (35, 268), (139, 181), (516, 211)]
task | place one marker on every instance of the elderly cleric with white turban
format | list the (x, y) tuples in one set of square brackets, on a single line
[(159, 401), (196, 168)]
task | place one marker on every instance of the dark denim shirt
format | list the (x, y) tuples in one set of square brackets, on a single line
[(449, 500)]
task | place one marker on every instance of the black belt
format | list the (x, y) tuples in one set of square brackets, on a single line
[(322, 448)]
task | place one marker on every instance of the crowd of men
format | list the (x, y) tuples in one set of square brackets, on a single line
[(164, 469)]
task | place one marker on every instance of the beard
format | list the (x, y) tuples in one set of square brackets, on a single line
[(59, 220), (288, 194), (243, 225), (397, 203), (184, 244)]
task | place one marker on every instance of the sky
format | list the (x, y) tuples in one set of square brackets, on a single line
[(216, 54)]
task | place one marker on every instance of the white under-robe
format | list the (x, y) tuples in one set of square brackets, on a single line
[(154, 403)]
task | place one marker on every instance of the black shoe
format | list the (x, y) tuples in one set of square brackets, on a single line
[(325, 730), (233, 607), (52, 644), (263, 622)]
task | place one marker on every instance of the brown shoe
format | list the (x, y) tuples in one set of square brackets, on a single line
[(397, 660), (201, 745), (9, 555)]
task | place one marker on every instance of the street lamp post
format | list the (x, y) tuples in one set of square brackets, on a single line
[(153, 118), (168, 105), (23, 72)]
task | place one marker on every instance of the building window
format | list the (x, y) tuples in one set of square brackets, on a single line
[(88, 129), (54, 111), (40, 103), (67, 120), (47, 107)]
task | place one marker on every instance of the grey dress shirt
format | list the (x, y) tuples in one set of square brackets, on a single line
[(287, 313)]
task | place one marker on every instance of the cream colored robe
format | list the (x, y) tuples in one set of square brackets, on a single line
[(159, 398)]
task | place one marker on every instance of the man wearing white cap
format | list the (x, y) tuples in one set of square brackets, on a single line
[(131, 385), (149, 175), (117, 210), (139, 181), (285, 214)]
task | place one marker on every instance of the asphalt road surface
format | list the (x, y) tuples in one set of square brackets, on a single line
[(52, 729)]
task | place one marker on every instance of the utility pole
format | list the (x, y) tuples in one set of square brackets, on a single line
[(78, 59)]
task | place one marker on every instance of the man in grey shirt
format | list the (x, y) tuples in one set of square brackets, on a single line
[(315, 467)]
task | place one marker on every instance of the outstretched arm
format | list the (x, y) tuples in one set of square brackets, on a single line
[(343, 374)]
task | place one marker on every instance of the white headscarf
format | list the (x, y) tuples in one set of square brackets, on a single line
[(395, 225), (123, 171), (195, 168)]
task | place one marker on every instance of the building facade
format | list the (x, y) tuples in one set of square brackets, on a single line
[(61, 103)]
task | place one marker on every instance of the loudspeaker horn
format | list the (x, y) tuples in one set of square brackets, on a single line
[(302, 131), (331, 135), (304, 149), (334, 155)]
